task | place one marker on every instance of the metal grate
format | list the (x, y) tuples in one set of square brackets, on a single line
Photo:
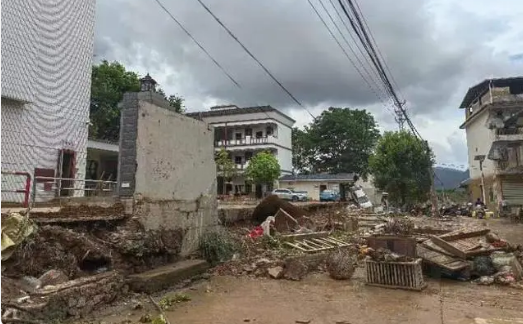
[(402, 275)]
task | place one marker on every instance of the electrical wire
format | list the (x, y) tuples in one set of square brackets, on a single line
[(197, 43), (254, 57), (377, 47), (344, 51), (359, 29), (356, 44)]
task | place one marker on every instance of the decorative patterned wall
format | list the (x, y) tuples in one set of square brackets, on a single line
[(47, 54)]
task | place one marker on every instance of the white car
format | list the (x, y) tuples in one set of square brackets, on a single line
[(288, 194), (362, 198)]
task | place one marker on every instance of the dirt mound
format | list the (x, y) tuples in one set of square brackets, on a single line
[(81, 211), (270, 206), (56, 247), (81, 251)]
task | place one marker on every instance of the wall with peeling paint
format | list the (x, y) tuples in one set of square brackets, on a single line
[(167, 167)]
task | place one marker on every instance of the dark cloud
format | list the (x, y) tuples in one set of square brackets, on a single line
[(433, 61)]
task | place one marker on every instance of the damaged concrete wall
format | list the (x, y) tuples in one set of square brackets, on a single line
[(167, 167)]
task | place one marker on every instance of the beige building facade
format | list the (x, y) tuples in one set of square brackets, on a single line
[(494, 128)]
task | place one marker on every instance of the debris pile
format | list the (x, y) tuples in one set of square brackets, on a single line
[(53, 266), (342, 264)]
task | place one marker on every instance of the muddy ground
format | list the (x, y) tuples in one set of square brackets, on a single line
[(319, 299)]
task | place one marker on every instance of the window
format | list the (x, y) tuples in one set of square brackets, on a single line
[(269, 130), (259, 134), (238, 159), (238, 136), (248, 132)]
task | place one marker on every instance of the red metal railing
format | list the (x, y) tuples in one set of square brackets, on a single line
[(27, 188)]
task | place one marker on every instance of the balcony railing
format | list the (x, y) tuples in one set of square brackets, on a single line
[(508, 98), (509, 131), (237, 166), (246, 141)]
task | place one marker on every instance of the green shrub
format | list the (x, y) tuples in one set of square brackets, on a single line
[(217, 247)]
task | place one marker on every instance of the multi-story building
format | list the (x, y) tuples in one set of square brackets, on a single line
[(494, 127), (243, 132), (47, 54)]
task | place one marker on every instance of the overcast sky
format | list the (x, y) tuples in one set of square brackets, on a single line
[(435, 49)]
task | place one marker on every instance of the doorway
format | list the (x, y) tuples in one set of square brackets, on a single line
[(66, 172)]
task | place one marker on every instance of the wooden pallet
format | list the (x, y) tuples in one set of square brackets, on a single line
[(314, 245)]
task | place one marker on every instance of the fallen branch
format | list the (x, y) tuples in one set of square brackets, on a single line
[(20, 320), (17, 307), (159, 308)]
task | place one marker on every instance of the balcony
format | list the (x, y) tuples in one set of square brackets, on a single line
[(508, 98), (509, 134), (509, 168), (238, 166), (245, 141)]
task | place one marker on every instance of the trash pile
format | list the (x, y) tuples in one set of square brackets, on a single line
[(289, 243), (473, 253), (67, 270)]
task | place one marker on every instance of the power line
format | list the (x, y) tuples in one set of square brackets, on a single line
[(343, 49), (254, 57), (197, 43), (346, 42), (359, 28), (377, 47), (355, 43)]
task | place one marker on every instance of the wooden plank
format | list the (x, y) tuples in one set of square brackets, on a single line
[(295, 246), (448, 247), (339, 241), (324, 243), (463, 234), (302, 236), (440, 259)]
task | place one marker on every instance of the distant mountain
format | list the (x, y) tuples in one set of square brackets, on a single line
[(449, 178)]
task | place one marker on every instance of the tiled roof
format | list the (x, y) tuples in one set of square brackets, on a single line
[(477, 90), (319, 177), (236, 111)]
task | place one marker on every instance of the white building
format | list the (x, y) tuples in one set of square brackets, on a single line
[(494, 127), (47, 54), (245, 131)]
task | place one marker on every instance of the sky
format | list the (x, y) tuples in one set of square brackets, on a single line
[(434, 50)]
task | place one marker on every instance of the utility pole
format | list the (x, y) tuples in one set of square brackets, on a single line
[(400, 114), (433, 196)]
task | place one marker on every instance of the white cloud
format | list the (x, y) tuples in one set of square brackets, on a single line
[(435, 49)]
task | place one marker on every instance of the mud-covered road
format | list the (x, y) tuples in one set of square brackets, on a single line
[(319, 299)]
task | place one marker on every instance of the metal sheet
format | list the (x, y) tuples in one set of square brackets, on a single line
[(512, 192)]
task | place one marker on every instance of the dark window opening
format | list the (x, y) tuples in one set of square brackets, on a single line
[(269, 130), (238, 136), (67, 172), (238, 159), (248, 132), (259, 134)]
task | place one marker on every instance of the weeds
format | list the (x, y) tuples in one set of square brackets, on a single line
[(217, 247), (167, 301)]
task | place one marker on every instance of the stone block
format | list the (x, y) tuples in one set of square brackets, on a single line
[(166, 276)]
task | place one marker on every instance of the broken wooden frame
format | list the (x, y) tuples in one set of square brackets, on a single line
[(317, 244)]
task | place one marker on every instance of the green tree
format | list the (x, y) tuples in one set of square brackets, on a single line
[(339, 140), (226, 167), (400, 166), (109, 82), (174, 101), (263, 169)]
